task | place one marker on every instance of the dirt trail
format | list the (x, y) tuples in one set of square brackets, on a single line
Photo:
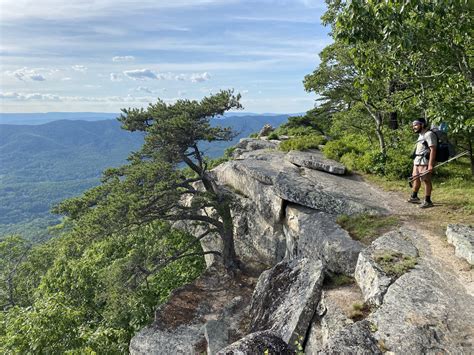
[(430, 225)]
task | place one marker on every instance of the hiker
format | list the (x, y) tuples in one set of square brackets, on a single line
[(423, 163)]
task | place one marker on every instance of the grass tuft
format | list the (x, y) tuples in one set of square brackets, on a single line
[(366, 228)]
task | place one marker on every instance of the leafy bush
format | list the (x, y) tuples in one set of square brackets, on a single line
[(273, 135), (302, 143)]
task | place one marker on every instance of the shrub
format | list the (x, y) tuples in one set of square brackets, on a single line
[(273, 135), (302, 143)]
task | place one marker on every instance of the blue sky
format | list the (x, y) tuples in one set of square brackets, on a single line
[(103, 55)]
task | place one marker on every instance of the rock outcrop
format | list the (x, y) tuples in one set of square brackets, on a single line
[(462, 237), (284, 211)]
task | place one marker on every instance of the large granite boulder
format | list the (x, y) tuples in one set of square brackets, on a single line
[(314, 159), (311, 233), (395, 248), (251, 144), (268, 178), (423, 313), (266, 130), (261, 342), (462, 237), (286, 297)]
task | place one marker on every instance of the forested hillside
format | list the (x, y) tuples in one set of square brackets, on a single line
[(41, 165)]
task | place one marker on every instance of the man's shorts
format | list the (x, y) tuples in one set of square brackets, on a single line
[(420, 169)]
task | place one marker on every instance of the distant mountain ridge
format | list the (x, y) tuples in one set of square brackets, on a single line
[(43, 164), (45, 117)]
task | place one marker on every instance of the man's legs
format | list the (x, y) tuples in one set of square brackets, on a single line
[(416, 184)]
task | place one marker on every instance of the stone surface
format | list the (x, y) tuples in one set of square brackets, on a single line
[(370, 276), (462, 237), (314, 159), (179, 324), (286, 297), (334, 313), (419, 315), (258, 343), (251, 144), (356, 338), (310, 233), (266, 130)]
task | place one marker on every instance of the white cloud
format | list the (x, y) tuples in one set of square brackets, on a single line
[(115, 77), (79, 68), (197, 78), (26, 74), (144, 89), (142, 74), (182, 93), (126, 58), (37, 77), (180, 77), (66, 79), (28, 97)]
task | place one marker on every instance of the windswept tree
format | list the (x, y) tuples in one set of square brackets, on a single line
[(153, 185)]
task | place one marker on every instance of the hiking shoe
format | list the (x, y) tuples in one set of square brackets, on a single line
[(426, 204), (414, 200)]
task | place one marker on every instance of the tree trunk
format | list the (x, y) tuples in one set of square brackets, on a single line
[(377, 116), (471, 156), (229, 257), (393, 122)]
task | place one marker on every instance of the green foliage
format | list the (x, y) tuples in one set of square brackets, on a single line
[(95, 295), (365, 227), (302, 143), (314, 122), (395, 264), (337, 280)]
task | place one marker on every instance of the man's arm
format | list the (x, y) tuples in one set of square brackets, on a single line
[(432, 160)]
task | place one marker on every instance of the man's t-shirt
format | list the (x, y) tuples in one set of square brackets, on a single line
[(421, 149)]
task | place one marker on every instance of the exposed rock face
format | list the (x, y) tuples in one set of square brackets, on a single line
[(284, 212), (417, 317), (258, 343), (286, 297), (266, 130), (356, 338), (250, 144), (310, 233), (373, 280), (314, 159), (462, 237), (335, 312), (179, 325)]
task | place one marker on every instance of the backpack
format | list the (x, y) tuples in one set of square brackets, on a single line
[(443, 147)]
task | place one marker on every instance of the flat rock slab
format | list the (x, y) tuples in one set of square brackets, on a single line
[(314, 159), (286, 297), (462, 237), (372, 279), (268, 178), (356, 338), (311, 233), (419, 315)]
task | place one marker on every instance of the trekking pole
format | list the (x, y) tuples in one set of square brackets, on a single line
[(413, 178)]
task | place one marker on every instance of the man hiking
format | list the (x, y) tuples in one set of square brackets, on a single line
[(423, 163)]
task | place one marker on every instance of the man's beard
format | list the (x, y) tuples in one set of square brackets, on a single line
[(418, 130)]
